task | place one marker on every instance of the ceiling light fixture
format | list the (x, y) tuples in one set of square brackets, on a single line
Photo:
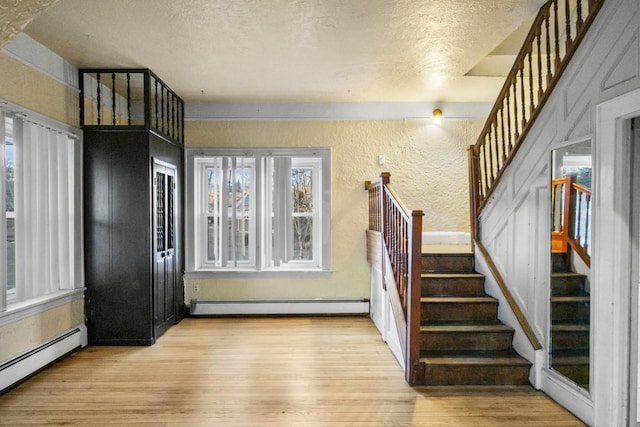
[(437, 116)]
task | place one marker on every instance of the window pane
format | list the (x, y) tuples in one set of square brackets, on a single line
[(213, 182), (228, 208), (9, 154), (303, 238), (238, 212), (11, 234), (11, 254), (302, 186)]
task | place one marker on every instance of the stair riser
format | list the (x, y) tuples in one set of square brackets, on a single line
[(575, 312), (447, 263), (461, 341), (476, 375), (568, 286), (559, 263), (434, 312), (458, 287), (570, 340)]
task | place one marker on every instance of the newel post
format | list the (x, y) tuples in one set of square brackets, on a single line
[(385, 178), (414, 372), (474, 193)]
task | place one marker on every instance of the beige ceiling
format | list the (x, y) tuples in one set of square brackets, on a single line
[(297, 50)]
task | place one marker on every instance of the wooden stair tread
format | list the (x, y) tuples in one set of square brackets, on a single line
[(461, 300), (476, 358), (474, 327)]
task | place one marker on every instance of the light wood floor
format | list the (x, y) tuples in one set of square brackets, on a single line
[(261, 372)]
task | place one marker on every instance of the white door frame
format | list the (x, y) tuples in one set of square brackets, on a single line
[(634, 359), (611, 260)]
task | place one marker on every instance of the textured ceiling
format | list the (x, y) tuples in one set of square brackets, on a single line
[(296, 50)]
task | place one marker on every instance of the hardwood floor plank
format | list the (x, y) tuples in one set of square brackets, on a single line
[(261, 372)]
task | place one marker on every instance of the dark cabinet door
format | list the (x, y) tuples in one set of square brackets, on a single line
[(165, 228)]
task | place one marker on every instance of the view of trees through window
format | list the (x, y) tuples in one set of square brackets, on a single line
[(229, 195), (261, 209), (302, 185)]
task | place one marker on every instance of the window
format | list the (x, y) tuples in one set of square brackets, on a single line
[(40, 222), (259, 210)]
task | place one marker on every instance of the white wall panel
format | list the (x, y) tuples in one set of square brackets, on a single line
[(515, 225)]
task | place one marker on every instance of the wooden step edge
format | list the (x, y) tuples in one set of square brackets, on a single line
[(569, 327), (458, 300), (448, 254), (495, 327), (478, 360), (452, 275), (567, 274)]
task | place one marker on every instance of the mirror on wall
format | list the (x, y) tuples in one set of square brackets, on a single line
[(571, 261)]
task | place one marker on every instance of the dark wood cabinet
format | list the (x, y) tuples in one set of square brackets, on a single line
[(133, 155), (133, 239)]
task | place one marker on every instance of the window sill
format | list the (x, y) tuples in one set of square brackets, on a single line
[(256, 274), (22, 310)]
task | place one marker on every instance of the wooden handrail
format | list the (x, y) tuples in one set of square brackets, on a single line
[(522, 97), (579, 213), (402, 242), (560, 214), (570, 217), (525, 90)]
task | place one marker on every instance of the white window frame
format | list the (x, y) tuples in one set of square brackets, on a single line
[(319, 159), (315, 164), (11, 308), (201, 236)]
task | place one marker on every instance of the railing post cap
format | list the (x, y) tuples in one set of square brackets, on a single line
[(385, 177)]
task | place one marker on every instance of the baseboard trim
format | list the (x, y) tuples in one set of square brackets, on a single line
[(28, 363), (279, 307), (123, 342)]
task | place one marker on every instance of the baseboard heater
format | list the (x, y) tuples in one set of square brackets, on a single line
[(27, 363), (279, 307)]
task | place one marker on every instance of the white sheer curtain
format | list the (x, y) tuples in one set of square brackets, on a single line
[(44, 210), (3, 220), (279, 172)]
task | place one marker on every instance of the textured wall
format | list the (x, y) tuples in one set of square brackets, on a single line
[(27, 87), (16, 14), (428, 168)]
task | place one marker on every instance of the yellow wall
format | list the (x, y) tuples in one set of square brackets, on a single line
[(428, 166), (22, 85), (32, 331), (27, 87)]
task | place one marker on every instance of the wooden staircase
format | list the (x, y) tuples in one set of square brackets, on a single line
[(462, 342), (570, 305)]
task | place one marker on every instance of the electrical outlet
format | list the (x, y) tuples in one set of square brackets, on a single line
[(381, 159)]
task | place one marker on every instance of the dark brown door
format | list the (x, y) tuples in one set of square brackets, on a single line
[(164, 222)]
